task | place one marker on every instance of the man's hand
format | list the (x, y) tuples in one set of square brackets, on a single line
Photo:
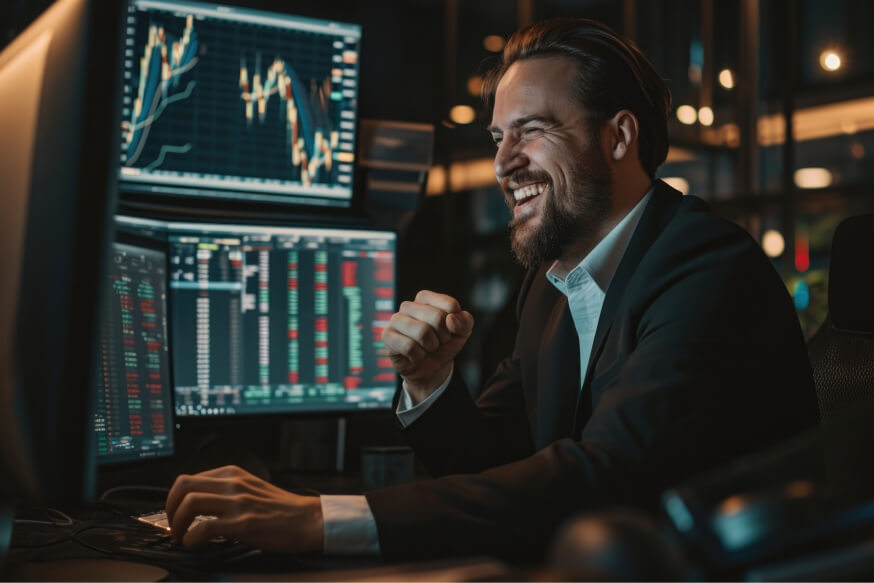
[(248, 510), (423, 338)]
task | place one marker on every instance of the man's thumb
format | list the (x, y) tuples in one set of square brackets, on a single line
[(460, 323)]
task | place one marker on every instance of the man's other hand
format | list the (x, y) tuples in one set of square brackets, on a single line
[(247, 509), (423, 338)]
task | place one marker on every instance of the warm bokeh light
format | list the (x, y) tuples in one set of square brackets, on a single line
[(475, 85), (680, 184), (731, 134), (494, 43), (726, 78), (462, 114), (813, 178), (830, 60), (705, 116), (687, 114), (817, 122), (857, 150), (773, 243), (800, 489)]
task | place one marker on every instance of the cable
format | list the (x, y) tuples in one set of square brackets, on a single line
[(144, 488), (67, 521)]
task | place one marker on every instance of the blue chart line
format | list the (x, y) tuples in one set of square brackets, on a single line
[(168, 149), (161, 65)]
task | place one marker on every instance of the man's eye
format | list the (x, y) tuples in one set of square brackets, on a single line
[(530, 130)]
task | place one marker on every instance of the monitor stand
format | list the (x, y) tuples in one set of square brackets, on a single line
[(314, 445)]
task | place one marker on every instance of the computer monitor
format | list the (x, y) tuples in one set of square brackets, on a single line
[(133, 408), (229, 103), (59, 119), (268, 319)]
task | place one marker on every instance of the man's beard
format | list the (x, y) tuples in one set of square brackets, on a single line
[(588, 205)]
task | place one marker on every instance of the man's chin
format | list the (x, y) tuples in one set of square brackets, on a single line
[(527, 250)]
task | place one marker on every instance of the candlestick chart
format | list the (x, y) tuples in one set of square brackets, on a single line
[(238, 105)]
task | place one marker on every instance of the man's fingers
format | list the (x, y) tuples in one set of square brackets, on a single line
[(440, 301), (460, 323), (204, 531), (199, 503), (209, 481), (402, 345), (421, 332), (434, 317)]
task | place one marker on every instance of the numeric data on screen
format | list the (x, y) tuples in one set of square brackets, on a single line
[(284, 320), (133, 413)]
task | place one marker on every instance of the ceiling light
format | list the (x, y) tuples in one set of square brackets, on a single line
[(686, 114), (773, 243), (830, 60), (494, 43), (462, 114), (813, 178)]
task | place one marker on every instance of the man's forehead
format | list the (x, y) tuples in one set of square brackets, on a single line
[(533, 87)]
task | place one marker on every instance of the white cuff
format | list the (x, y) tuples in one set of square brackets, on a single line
[(350, 528), (407, 412)]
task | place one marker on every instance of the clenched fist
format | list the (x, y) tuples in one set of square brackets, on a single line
[(423, 338)]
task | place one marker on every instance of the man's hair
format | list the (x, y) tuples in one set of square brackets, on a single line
[(612, 74)]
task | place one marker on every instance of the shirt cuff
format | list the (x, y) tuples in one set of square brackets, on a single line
[(350, 528), (407, 412)]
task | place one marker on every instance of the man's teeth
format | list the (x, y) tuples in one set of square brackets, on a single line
[(528, 191)]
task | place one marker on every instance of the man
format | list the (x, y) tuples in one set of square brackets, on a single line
[(655, 340)]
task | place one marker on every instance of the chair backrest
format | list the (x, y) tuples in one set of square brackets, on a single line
[(842, 350)]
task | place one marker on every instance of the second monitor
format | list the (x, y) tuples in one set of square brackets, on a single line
[(279, 319)]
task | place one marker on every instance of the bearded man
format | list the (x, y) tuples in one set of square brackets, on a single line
[(655, 340)]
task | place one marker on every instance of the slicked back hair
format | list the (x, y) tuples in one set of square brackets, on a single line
[(612, 75)]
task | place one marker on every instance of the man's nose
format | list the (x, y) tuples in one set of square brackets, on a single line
[(510, 157)]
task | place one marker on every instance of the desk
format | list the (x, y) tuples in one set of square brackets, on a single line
[(75, 557)]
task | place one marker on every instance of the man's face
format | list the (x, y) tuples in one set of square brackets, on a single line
[(549, 161)]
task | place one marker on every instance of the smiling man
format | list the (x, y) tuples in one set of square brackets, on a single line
[(655, 340)]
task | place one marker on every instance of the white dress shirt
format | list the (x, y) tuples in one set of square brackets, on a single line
[(349, 524)]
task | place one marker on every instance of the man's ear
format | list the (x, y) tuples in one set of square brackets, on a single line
[(623, 131)]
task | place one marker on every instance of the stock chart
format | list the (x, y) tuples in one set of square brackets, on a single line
[(238, 103)]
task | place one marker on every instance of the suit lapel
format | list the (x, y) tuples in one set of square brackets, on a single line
[(659, 210), (558, 375)]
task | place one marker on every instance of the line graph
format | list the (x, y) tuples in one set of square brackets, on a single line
[(239, 103), (158, 72)]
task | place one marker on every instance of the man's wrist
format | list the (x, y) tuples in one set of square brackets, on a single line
[(421, 390), (317, 522)]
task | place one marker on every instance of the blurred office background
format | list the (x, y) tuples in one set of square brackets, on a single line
[(773, 124)]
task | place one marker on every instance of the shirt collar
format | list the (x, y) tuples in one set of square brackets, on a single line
[(603, 260)]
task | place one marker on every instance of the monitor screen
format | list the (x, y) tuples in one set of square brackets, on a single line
[(233, 103), (278, 319), (133, 408)]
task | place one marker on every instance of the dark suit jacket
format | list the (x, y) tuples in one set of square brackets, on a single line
[(698, 358)]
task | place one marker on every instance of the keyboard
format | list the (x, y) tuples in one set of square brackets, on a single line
[(145, 540)]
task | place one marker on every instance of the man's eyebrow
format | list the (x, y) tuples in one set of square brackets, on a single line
[(519, 122)]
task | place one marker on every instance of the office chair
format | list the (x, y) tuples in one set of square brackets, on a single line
[(842, 350)]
